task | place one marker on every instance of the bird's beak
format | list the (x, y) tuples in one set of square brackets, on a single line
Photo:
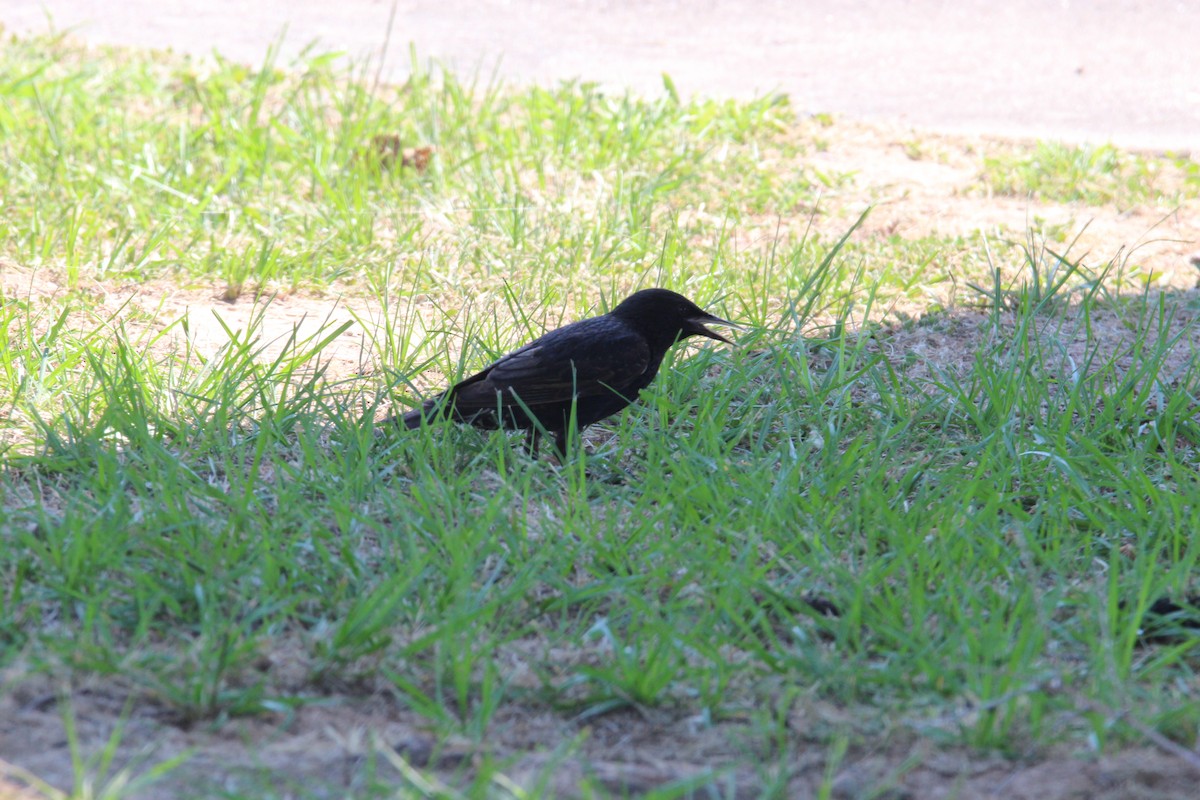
[(695, 325)]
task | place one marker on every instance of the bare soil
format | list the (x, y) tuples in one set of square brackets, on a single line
[(326, 749)]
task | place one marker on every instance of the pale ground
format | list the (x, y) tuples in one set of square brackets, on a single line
[(1120, 70)]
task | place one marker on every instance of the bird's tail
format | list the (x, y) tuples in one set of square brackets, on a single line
[(412, 419)]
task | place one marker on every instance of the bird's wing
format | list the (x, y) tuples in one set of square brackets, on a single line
[(587, 358)]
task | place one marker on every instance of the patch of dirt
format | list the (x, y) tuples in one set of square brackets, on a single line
[(923, 184), (336, 745), (948, 343), (159, 306)]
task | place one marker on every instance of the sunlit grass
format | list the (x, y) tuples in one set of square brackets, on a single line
[(1094, 175)]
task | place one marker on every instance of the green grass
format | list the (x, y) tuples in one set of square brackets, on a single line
[(1093, 175), (990, 536)]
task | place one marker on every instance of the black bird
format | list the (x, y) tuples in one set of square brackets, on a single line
[(584, 371)]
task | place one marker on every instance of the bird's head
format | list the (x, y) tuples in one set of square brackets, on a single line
[(665, 315)]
